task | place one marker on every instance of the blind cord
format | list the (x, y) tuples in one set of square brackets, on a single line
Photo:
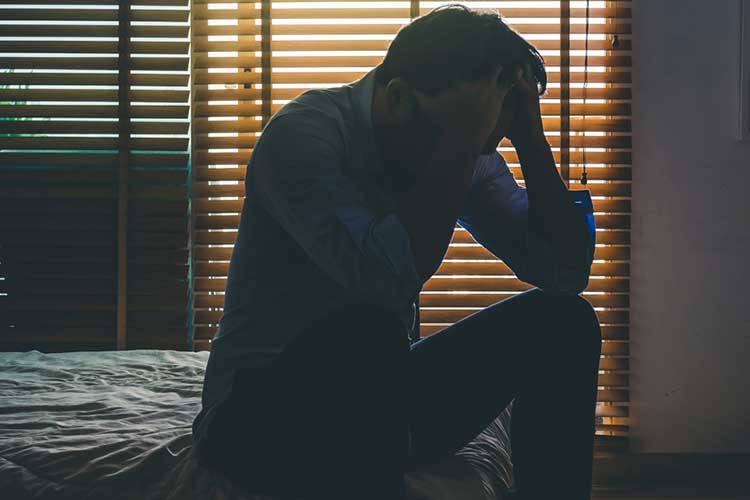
[(584, 177)]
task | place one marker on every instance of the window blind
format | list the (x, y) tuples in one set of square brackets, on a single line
[(227, 117), (159, 163), (252, 57), (94, 132)]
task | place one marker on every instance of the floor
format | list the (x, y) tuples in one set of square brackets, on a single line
[(672, 494)]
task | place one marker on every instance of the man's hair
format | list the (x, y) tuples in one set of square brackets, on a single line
[(454, 44)]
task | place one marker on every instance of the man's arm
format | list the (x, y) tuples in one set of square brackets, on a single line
[(296, 174), (463, 117), (429, 210), (552, 213), (498, 215)]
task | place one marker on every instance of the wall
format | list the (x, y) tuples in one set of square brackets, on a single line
[(691, 239)]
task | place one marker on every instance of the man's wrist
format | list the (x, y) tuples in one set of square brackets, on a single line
[(531, 147), (530, 144)]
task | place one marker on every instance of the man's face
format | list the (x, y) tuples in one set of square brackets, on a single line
[(510, 106), (422, 130), (418, 130)]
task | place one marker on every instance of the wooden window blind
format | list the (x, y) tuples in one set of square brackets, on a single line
[(94, 162), (252, 57)]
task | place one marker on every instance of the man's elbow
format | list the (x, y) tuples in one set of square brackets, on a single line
[(574, 270), (574, 275), (561, 264), (569, 277)]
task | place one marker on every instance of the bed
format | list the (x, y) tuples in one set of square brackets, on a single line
[(117, 424)]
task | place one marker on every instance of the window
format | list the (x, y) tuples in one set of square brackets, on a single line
[(125, 128), (249, 58), (94, 134)]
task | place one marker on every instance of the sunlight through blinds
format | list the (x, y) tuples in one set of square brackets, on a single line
[(252, 57)]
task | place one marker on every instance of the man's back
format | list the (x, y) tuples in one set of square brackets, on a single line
[(276, 284)]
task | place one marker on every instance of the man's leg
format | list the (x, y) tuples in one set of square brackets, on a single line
[(327, 419), (541, 349)]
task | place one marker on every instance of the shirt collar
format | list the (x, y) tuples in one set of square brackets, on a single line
[(362, 93)]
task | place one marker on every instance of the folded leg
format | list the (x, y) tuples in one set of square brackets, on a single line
[(326, 420), (539, 349)]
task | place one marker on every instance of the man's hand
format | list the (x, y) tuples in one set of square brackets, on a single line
[(552, 213), (524, 127), (467, 114), (462, 120)]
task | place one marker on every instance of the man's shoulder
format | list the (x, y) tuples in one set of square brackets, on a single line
[(325, 108), (312, 128)]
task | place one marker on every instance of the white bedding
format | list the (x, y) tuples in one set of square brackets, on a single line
[(110, 425)]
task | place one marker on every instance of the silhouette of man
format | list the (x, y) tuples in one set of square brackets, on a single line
[(312, 389)]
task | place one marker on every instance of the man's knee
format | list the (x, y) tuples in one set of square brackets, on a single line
[(584, 317), (573, 314), (582, 322)]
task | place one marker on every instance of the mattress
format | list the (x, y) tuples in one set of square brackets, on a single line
[(117, 425)]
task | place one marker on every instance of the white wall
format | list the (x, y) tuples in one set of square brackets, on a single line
[(691, 231)]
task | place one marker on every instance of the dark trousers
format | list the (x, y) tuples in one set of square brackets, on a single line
[(348, 407)]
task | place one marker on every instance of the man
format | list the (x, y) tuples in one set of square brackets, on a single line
[(352, 197)]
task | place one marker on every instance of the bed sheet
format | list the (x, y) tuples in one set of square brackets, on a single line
[(117, 424)]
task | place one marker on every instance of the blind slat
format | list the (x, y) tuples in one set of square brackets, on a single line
[(63, 141)]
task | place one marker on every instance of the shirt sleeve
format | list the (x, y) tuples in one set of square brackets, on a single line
[(496, 215), (298, 176)]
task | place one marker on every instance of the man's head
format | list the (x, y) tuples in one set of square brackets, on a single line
[(454, 44), (450, 46)]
